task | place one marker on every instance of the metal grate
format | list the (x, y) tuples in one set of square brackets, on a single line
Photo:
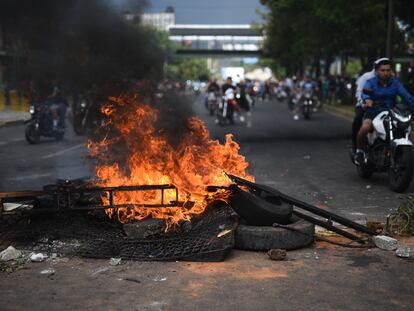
[(91, 235)]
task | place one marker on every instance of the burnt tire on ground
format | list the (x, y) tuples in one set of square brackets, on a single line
[(298, 234)]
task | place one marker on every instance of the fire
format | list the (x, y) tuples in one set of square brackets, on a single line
[(134, 151)]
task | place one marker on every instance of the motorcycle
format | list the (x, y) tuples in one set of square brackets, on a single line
[(41, 124), (86, 116), (307, 104), (281, 92), (227, 107), (389, 148), (212, 103)]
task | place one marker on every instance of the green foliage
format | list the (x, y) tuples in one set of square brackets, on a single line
[(353, 68), (404, 217), (188, 69), (303, 32)]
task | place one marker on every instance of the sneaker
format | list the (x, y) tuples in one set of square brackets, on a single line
[(359, 158)]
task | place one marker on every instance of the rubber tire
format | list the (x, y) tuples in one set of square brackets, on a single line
[(258, 211), (258, 238), (78, 128), (364, 171), (407, 158), (59, 136), (30, 136)]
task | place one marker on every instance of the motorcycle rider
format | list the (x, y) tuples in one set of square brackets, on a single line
[(212, 87), (227, 85), (359, 110), (306, 85), (384, 88)]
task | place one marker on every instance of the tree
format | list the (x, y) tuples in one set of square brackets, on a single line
[(303, 33)]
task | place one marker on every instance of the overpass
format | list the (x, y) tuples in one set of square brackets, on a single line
[(217, 40)]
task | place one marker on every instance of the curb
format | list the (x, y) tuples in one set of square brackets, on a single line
[(12, 122), (347, 115)]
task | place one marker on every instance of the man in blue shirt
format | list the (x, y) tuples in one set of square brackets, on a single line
[(383, 89)]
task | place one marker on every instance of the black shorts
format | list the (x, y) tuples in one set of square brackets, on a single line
[(371, 114)]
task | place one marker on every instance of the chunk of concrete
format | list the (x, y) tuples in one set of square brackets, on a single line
[(10, 253), (277, 254), (385, 242), (403, 251)]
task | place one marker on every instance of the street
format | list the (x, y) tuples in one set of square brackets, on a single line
[(305, 159)]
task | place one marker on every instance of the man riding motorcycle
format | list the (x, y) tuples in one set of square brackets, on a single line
[(383, 88), (307, 85), (359, 110)]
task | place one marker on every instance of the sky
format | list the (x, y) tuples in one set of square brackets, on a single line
[(210, 11)]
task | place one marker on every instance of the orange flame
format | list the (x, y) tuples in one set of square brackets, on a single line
[(149, 159)]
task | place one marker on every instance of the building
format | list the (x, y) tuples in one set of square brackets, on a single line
[(160, 21)]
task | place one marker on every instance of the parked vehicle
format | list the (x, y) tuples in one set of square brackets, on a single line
[(41, 124), (389, 148)]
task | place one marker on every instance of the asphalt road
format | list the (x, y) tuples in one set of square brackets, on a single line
[(306, 159), (29, 167)]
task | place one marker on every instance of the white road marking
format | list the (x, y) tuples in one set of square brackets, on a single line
[(32, 176), (63, 151)]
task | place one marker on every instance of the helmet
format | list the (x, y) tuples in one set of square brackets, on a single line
[(381, 61)]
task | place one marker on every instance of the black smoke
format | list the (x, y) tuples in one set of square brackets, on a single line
[(80, 43)]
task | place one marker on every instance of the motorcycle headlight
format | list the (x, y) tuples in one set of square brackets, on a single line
[(238, 96), (31, 109), (83, 104)]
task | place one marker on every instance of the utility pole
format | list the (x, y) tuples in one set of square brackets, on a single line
[(390, 29)]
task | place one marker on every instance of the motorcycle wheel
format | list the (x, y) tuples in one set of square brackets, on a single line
[(59, 135), (306, 112), (79, 125), (399, 177), (32, 134), (211, 109), (364, 171)]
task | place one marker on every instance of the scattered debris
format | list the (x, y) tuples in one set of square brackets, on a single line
[(402, 220), (10, 253), (144, 228), (132, 280), (100, 270), (277, 254), (115, 261), (39, 257), (385, 242), (403, 252), (159, 278), (307, 157), (48, 271), (375, 226), (223, 233)]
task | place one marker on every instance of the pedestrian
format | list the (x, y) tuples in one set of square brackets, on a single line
[(7, 100)]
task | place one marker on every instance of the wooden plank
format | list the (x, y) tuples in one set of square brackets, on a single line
[(20, 194)]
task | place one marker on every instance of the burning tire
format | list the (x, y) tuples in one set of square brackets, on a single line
[(259, 211), (297, 234)]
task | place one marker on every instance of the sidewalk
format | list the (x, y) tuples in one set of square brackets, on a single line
[(9, 116)]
